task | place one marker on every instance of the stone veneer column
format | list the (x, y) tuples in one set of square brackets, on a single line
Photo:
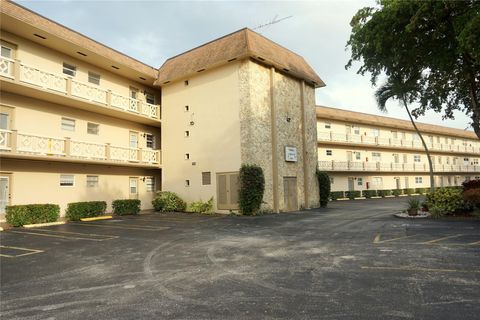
[(274, 141), (306, 190)]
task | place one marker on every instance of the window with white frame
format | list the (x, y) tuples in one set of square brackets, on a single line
[(356, 129), (377, 182), (415, 136), (92, 181), (358, 155), (150, 140), (328, 125), (359, 182), (417, 158), (68, 124), (376, 156), (394, 134), (328, 152), (418, 180), (375, 132), (67, 180), (93, 128), (150, 184), (69, 69), (93, 78), (206, 178)]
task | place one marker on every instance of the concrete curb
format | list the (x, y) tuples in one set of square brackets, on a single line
[(96, 218), (36, 225)]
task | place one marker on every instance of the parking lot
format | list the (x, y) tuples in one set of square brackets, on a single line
[(353, 260)]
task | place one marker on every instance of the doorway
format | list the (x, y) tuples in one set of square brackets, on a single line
[(4, 192), (227, 191), (290, 193)]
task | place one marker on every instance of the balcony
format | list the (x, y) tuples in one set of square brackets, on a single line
[(22, 145), (60, 84), (344, 138), (357, 166)]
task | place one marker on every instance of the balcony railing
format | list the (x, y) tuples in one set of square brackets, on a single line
[(391, 142), (393, 167), (19, 143), (61, 83)]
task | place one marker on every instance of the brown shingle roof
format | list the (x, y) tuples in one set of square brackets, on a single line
[(240, 44), (381, 121)]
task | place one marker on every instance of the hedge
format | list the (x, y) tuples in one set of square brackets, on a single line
[(409, 191), (369, 193), (421, 190), (201, 207), (20, 215), (323, 187), (126, 206), (352, 194), (444, 201), (166, 201), (383, 193), (334, 195), (78, 210), (251, 189), (396, 192)]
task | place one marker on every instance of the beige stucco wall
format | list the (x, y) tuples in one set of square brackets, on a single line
[(256, 130), (214, 141), (39, 182)]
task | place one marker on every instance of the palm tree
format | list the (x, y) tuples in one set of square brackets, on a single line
[(404, 90)]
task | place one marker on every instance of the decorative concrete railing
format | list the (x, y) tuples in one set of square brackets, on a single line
[(71, 87), (392, 167), (19, 143), (391, 142)]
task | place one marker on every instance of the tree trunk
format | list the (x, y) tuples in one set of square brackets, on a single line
[(432, 180)]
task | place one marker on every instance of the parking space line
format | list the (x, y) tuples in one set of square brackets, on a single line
[(440, 239), (120, 227), (77, 233), (63, 237), (31, 251), (377, 238), (474, 243), (414, 269)]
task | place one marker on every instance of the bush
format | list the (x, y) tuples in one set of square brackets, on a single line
[(369, 193), (472, 197), (408, 191), (444, 201), (126, 206), (421, 190), (251, 189), (397, 192), (352, 194), (201, 207), (471, 184), (334, 195), (32, 213), (323, 187), (383, 193), (166, 201), (413, 205), (78, 210)]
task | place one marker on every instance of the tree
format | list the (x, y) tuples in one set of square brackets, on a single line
[(437, 40)]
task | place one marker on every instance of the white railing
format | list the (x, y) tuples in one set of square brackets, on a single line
[(43, 79), (5, 139), (150, 110), (123, 154), (151, 156), (392, 167), (34, 144), (391, 142), (6, 67), (87, 150), (88, 92)]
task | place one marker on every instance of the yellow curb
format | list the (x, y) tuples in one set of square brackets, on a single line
[(96, 218), (43, 224)]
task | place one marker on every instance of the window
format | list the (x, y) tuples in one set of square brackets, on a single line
[(328, 125), (475, 161), (438, 139), (187, 108), (67, 180), (377, 182), (328, 152), (468, 178), (418, 180), (150, 141), (359, 182), (4, 121), (150, 184), (92, 128), (447, 159), (417, 158), (133, 140), (150, 98), (6, 52), (133, 185), (93, 78), (69, 69), (187, 156), (415, 136), (68, 124), (439, 160), (187, 134), (332, 180), (375, 132), (187, 183), (394, 134), (133, 93), (356, 129), (185, 82), (376, 156), (206, 178), (358, 155), (92, 181)]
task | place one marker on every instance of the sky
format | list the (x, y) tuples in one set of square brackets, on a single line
[(152, 31)]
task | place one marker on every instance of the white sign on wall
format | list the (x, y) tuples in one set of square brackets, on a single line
[(291, 154)]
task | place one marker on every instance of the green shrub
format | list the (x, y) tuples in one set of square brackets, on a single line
[(166, 201), (32, 213), (369, 193), (421, 190), (352, 194), (472, 196), (409, 191), (200, 206), (126, 206), (334, 195), (396, 192), (384, 193), (78, 210), (323, 187), (251, 189), (444, 201)]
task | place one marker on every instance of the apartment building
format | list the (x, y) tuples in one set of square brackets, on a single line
[(363, 151), (81, 121)]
